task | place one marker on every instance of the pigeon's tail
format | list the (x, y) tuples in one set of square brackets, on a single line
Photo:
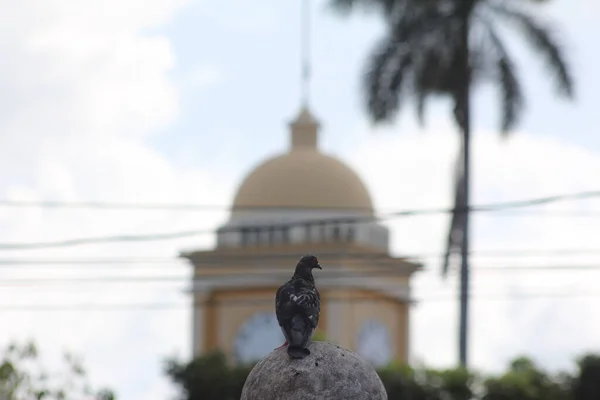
[(298, 331), (297, 352)]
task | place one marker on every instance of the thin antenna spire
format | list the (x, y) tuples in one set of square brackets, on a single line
[(305, 49)]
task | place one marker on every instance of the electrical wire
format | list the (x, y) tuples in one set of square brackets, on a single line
[(185, 306), (225, 258), (166, 207), (384, 272), (361, 219), (283, 275), (206, 207)]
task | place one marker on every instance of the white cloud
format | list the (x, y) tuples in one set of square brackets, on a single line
[(256, 18), (205, 76), (582, 11), (83, 84), (93, 58)]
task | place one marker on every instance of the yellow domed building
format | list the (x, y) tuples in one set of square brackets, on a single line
[(302, 201)]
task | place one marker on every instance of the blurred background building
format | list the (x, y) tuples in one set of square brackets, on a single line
[(302, 201)]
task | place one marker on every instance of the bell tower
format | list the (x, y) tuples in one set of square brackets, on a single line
[(301, 201)]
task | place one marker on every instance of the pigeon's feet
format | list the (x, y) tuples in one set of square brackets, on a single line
[(298, 352), (283, 345)]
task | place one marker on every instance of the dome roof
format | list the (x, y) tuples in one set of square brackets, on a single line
[(303, 177)]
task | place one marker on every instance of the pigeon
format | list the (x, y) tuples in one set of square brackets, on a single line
[(297, 307)]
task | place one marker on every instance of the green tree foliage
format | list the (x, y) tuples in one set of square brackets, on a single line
[(22, 377), (525, 381), (319, 337), (403, 382), (208, 378), (212, 378), (587, 384)]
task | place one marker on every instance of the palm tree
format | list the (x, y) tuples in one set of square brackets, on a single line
[(447, 47)]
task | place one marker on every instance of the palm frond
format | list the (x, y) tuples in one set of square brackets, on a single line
[(417, 55), (508, 83), (396, 56), (424, 77), (386, 6), (434, 50), (455, 236), (421, 102), (346, 6), (432, 74), (383, 80), (541, 39)]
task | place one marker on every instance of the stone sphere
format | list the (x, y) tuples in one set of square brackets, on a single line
[(330, 372)]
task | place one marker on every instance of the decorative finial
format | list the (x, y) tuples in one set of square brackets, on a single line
[(305, 52), (305, 127)]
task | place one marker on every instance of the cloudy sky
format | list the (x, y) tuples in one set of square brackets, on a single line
[(162, 101)]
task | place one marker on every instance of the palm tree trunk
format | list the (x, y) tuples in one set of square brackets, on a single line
[(463, 111), (464, 251)]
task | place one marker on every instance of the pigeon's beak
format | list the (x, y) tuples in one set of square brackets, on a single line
[(318, 266)]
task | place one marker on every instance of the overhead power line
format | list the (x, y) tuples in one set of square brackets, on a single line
[(361, 219), (184, 306), (100, 205), (206, 277), (331, 273), (539, 201), (104, 262), (224, 258), (159, 206)]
